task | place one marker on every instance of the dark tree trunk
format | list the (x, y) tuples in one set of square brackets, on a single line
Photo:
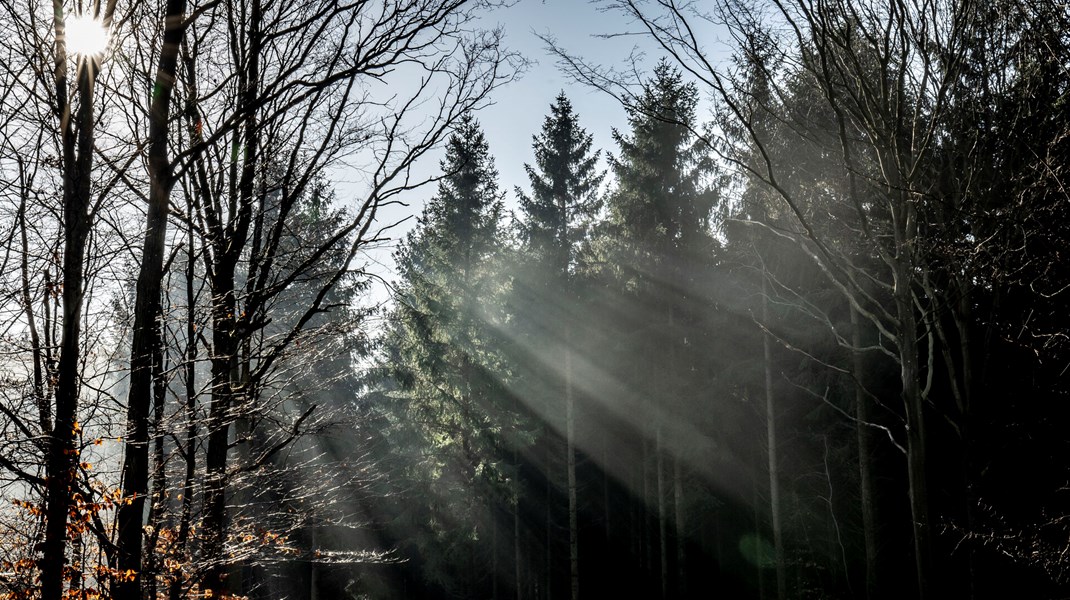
[(62, 452), (867, 449), (224, 366), (573, 509), (771, 448), (904, 227), (147, 312), (190, 455)]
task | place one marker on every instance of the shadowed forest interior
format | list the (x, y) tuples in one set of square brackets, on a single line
[(799, 331)]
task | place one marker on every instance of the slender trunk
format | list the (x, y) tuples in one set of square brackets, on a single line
[(494, 552), (147, 310), (678, 518), (605, 486), (62, 457), (243, 574), (573, 516), (904, 226), (224, 362), (159, 473), (190, 455), (774, 474), (647, 521), (677, 483), (77, 570), (44, 411), (867, 446), (635, 522), (963, 318), (549, 563), (313, 570), (758, 562), (916, 456), (663, 543), (718, 539), (516, 524)]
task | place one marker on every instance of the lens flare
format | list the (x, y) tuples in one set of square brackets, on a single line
[(86, 36)]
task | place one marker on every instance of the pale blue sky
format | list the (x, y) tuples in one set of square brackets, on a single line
[(576, 25), (519, 108)]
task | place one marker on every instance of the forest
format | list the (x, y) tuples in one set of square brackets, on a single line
[(801, 332)]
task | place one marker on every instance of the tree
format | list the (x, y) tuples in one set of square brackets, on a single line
[(145, 349), (556, 219), (442, 352), (659, 223), (296, 119), (68, 120), (889, 81), (273, 97)]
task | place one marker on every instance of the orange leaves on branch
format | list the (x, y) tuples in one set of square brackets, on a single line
[(196, 592), (30, 508), (104, 571), (85, 594), (20, 566)]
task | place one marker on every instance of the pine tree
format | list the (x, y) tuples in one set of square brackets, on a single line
[(564, 190), (565, 184), (659, 219), (661, 206), (441, 352)]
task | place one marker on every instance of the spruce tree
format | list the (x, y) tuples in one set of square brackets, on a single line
[(440, 351), (564, 198), (660, 243), (564, 190)]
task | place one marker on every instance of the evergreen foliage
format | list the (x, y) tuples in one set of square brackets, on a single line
[(816, 349), (564, 190), (449, 406)]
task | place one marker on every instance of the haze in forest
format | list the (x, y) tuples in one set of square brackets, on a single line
[(534, 300)]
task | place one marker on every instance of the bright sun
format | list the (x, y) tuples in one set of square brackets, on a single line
[(86, 36)]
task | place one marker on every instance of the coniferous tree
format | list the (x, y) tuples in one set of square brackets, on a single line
[(564, 190), (442, 355), (564, 183), (660, 240)]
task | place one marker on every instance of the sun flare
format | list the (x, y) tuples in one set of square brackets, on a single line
[(86, 36)]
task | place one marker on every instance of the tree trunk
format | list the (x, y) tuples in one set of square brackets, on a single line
[(663, 542), (573, 516), (647, 519), (62, 452), (758, 562), (605, 487), (190, 455), (313, 569), (679, 519), (159, 474), (224, 379), (516, 527), (495, 551), (916, 459), (44, 411), (227, 387), (904, 226), (147, 312), (549, 562), (770, 428), (867, 446)]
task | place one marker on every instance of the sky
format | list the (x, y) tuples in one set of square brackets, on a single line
[(517, 110), (520, 108)]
